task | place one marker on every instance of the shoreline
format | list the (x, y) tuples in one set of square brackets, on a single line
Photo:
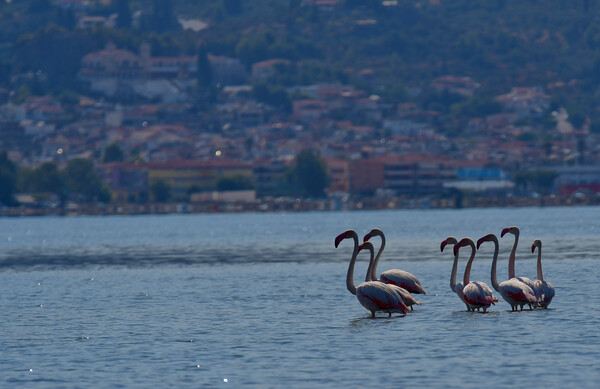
[(295, 205)]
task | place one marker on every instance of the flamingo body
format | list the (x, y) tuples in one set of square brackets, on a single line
[(515, 293), (396, 277), (544, 292), (377, 296), (402, 279)]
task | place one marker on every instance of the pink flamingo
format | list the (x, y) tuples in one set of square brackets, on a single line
[(511, 263), (374, 296), (458, 287), (407, 298), (544, 291), (477, 294), (396, 277), (514, 291)]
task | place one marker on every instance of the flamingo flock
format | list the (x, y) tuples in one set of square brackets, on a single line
[(392, 291)]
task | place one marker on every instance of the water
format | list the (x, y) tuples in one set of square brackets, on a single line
[(259, 301)]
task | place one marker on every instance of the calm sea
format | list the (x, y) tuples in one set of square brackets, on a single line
[(259, 301)]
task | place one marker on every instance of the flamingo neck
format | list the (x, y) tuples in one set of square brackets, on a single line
[(494, 277), (376, 262), (453, 274), (370, 273), (511, 259), (540, 276), (350, 274), (468, 268)]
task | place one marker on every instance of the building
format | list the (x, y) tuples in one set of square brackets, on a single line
[(402, 175), (182, 176)]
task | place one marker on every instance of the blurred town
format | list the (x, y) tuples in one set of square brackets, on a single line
[(150, 136)]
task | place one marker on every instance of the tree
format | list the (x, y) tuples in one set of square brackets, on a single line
[(163, 17), (309, 175), (46, 178), (235, 182), (83, 182), (113, 153), (161, 191), (204, 68), (8, 179), (540, 180), (124, 14)]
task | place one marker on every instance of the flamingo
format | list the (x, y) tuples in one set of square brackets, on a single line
[(407, 298), (514, 291), (396, 277), (511, 264), (374, 296), (476, 294), (544, 291), (458, 287)]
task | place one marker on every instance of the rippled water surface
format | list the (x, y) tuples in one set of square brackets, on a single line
[(259, 301)]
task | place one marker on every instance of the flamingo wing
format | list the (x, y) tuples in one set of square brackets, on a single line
[(544, 292), (376, 296), (404, 294), (487, 290), (476, 295), (517, 291), (402, 279)]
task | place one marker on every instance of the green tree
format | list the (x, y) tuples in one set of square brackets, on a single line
[(204, 69), (541, 180), (113, 153), (160, 191), (235, 182), (8, 179), (124, 14), (163, 16), (83, 183), (309, 177), (233, 7), (46, 178)]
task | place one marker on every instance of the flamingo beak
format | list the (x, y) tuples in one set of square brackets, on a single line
[(505, 231), (339, 238), (444, 243), (367, 237), (483, 239), (533, 248)]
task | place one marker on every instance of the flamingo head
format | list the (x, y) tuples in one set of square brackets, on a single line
[(463, 242), (372, 233), (513, 230), (536, 243), (486, 238), (447, 241), (366, 245), (344, 235)]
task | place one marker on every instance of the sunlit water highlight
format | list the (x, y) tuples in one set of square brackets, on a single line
[(259, 301)]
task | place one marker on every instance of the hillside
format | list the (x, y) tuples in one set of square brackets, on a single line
[(394, 48)]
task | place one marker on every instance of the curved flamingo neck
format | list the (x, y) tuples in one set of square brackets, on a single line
[(511, 259), (494, 277), (453, 274), (370, 273), (350, 274), (540, 276), (376, 261), (468, 268)]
